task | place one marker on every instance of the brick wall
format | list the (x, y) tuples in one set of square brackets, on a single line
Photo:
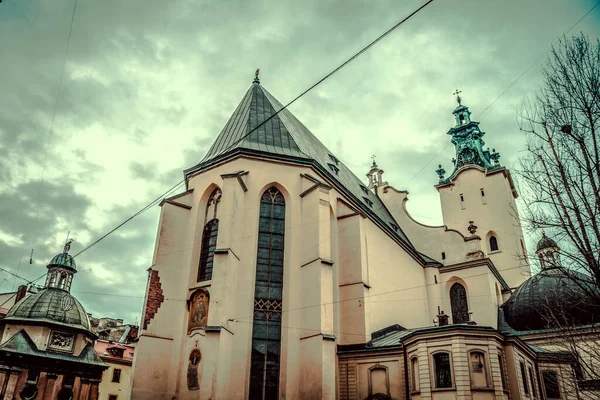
[(155, 298)]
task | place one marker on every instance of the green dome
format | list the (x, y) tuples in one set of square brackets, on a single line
[(54, 306), (545, 243), (63, 260)]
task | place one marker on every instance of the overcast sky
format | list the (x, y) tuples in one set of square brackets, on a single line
[(149, 84)]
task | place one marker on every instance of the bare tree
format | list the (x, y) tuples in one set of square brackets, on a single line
[(561, 177)]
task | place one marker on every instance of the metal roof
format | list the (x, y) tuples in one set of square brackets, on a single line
[(22, 344), (285, 137), (51, 305)]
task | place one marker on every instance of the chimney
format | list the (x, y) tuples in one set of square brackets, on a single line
[(442, 319), (21, 292)]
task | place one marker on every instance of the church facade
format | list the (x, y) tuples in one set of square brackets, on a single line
[(279, 274)]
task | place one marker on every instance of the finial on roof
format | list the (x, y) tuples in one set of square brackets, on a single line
[(457, 94), (256, 80), (373, 158), (67, 246)]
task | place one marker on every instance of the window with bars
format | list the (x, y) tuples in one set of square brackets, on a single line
[(443, 375), (207, 254), (266, 328), (458, 304)]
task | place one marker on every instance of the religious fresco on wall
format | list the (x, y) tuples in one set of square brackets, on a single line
[(198, 310), (192, 372)]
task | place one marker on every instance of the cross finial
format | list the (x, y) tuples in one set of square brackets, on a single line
[(457, 94), (256, 80), (67, 246), (373, 158)]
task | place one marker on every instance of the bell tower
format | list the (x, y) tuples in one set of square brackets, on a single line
[(480, 191)]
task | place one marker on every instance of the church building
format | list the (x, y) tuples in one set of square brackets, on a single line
[(279, 274)]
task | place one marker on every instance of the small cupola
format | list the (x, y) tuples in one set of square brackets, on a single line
[(461, 113), (61, 269), (375, 176), (548, 252)]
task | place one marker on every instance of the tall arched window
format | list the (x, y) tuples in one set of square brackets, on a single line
[(493, 243), (458, 303), (266, 328), (209, 242)]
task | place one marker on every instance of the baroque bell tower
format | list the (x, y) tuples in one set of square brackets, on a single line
[(480, 191)]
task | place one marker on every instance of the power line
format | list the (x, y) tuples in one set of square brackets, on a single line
[(348, 61), (58, 89), (148, 206)]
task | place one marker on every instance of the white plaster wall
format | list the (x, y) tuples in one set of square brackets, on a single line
[(499, 214), (311, 296)]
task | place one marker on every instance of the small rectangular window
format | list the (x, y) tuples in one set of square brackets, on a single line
[(116, 375), (551, 384), (435, 278), (462, 201), (524, 379), (483, 200), (443, 255)]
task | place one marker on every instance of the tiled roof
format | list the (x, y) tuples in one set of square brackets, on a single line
[(284, 137)]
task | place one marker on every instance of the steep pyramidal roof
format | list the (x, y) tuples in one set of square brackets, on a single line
[(284, 137)]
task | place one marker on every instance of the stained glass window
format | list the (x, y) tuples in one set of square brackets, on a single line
[(266, 329), (209, 243), (458, 303), (443, 376)]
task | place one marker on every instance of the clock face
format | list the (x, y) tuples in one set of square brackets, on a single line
[(467, 155)]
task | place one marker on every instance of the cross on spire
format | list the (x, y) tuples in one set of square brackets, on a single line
[(256, 80), (373, 158), (457, 94)]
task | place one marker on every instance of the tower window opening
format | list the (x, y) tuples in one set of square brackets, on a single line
[(62, 281), (443, 255), (483, 200), (207, 252), (462, 201), (493, 243), (461, 117)]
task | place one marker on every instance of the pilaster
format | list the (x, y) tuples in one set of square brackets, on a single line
[(317, 342), (11, 386)]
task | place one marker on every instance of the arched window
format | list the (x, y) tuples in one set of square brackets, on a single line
[(493, 243), (266, 328), (209, 243), (62, 281), (442, 369), (458, 303), (414, 374), (52, 280)]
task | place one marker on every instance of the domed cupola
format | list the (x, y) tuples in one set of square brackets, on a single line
[(556, 296), (548, 252), (54, 304), (61, 269)]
